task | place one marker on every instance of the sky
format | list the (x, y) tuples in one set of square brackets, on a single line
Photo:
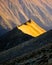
[(16, 12)]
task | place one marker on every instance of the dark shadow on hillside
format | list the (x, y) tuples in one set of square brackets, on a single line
[(13, 38), (38, 49)]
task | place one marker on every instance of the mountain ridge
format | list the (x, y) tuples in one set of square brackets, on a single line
[(41, 44)]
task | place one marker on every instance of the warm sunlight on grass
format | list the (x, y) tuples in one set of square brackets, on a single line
[(32, 29)]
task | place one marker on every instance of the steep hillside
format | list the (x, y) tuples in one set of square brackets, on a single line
[(13, 38), (37, 51)]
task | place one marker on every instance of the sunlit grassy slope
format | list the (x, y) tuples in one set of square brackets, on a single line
[(31, 28)]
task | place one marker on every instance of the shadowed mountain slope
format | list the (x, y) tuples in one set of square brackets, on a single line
[(13, 38), (30, 51)]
